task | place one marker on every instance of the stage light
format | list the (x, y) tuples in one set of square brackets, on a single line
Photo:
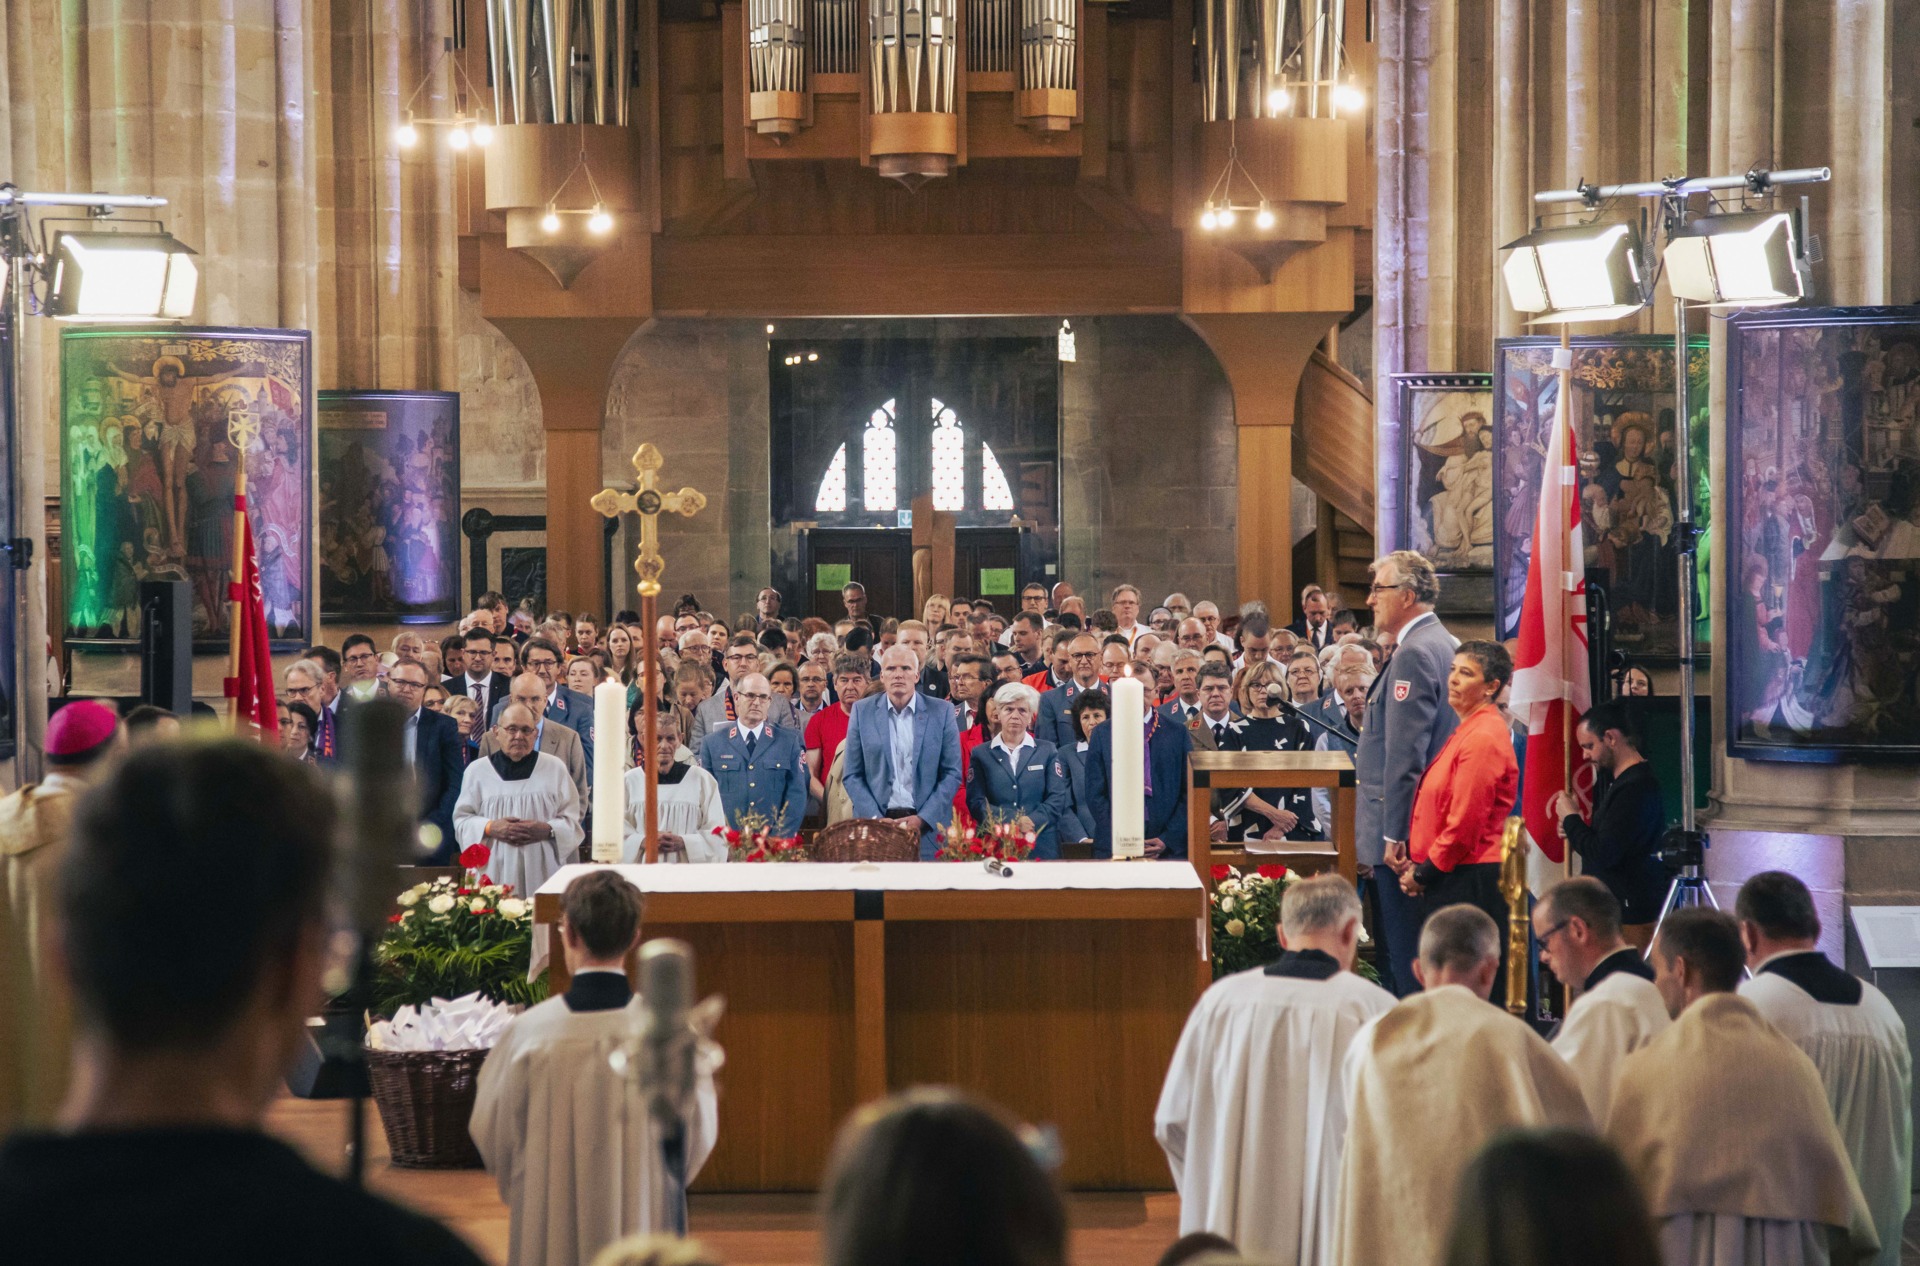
[(1264, 220), (1585, 272), (599, 221), (550, 221), (122, 276), (1227, 217), (1746, 260), (1278, 100), (458, 138), (812, 356), (407, 135), (1209, 219), (482, 134), (1349, 97)]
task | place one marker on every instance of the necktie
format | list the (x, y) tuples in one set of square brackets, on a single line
[(751, 739), (1219, 731)]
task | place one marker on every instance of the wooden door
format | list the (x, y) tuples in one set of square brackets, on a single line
[(986, 564), (882, 560)]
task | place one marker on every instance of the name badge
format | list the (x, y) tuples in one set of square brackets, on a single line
[(1037, 769)]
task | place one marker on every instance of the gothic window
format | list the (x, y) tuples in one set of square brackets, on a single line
[(949, 459), (832, 497), (994, 492), (879, 459)]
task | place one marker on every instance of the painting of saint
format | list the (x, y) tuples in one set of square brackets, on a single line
[(149, 467), (1624, 434), (1824, 432), (1447, 420), (390, 506)]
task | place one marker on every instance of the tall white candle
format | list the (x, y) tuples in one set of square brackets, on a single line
[(609, 769), (1129, 768)]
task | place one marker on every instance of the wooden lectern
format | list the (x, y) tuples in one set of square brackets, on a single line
[(1284, 771)]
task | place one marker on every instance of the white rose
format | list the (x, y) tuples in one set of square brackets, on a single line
[(512, 907), (477, 904), (440, 904), (492, 890), (409, 897), (1236, 928), (1226, 905)]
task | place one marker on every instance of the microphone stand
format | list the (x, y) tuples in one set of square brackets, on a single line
[(1340, 732)]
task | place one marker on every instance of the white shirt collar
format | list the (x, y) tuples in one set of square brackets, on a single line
[(756, 731), (912, 704), (1000, 744)]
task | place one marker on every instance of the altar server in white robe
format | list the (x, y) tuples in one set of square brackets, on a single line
[(1251, 1117), (565, 1137), (1576, 923), (522, 804), (1428, 1084), (1726, 1126), (690, 808), (1851, 1032)]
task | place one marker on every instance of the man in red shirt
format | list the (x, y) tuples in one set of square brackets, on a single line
[(1461, 807), (827, 730)]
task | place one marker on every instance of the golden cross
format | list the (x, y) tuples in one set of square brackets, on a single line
[(649, 503)]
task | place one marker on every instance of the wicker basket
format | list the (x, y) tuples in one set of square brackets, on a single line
[(426, 1103)]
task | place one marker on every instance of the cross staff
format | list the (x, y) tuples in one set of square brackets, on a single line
[(243, 432), (649, 502)]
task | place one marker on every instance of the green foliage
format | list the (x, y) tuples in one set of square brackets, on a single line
[(456, 950), (1245, 916)]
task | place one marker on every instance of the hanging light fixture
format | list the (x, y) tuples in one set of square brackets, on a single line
[(463, 131)]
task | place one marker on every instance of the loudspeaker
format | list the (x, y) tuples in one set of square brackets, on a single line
[(166, 645)]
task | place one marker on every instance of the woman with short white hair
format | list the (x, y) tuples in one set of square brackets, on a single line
[(1018, 778)]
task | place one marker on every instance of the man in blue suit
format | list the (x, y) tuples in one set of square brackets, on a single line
[(1017, 777), (433, 743), (1166, 825), (1056, 706), (903, 753), (566, 706), (760, 768)]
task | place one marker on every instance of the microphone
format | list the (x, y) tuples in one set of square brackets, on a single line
[(1293, 709), (996, 866), (668, 1044)]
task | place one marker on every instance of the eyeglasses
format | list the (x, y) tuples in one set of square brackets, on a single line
[(515, 731), (299, 692), (1373, 589), (545, 662), (751, 694), (1553, 931), (361, 657), (401, 683)]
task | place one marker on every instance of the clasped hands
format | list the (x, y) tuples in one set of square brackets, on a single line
[(518, 830)]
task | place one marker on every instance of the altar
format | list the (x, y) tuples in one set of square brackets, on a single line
[(1059, 991)]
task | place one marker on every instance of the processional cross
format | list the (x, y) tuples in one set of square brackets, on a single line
[(243, 432), (649, 502)]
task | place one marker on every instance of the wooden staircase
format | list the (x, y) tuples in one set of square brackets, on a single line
[(1333, 454)]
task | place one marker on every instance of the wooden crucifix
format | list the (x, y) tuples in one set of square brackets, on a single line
[(649, 502)]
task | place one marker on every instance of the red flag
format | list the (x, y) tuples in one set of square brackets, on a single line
[(252, 690), (1550, 682)]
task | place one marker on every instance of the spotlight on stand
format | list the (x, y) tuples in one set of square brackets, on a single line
[(1749, 259), (109, 276), (1585, 272)]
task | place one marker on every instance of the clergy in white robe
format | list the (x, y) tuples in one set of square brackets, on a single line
[(691, 812), (1251, 1117), (1851, 1033), (1427, 1085), (1725, 1124), (1576, 923), (566, 1138), (522, 804)]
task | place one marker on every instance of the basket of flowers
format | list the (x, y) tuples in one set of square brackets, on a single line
[(447, 976)]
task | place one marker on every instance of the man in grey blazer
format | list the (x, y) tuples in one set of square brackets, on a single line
[(720, 711), (1407, 721), (903, 753)]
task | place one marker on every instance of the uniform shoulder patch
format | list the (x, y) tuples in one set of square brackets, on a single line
[(1401, 689)]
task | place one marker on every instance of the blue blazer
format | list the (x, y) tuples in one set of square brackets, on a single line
[(1080, 825), (868, 771), (1166, 807), (1042, 793), (1056, 716), (569, 708), (438, 767), (771, 783)]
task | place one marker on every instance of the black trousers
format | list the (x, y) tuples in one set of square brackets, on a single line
[(1477, 884)]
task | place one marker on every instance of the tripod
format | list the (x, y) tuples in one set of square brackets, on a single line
[(1685, 849)]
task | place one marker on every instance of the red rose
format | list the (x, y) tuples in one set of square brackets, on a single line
[(484, 910), (733, 835), (465, 892), (474, 856), (1221, 872), (395, 917), (1271, 871), (486, 881)]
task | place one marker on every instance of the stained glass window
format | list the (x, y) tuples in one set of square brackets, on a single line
[(994, 493), (832, 496), (879, 460), (949, 459)]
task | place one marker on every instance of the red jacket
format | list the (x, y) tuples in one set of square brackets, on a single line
[(1466, 795)]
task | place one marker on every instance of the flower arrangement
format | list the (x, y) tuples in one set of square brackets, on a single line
[(757, 840), (1245, 910), (453, 937), (992, 838)]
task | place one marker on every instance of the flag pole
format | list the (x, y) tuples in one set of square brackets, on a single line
[(1566, 667), (237, 433)]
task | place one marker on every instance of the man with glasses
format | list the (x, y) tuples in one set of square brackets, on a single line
[(566, 706), (760, 768), (521, 802), (1408, 721), (433, 751), (1056, 706), (1208, 614), (555, 740), (1577, 925), (827, 730), (307, 682), (477, 680), (721, 710), (360, 666)]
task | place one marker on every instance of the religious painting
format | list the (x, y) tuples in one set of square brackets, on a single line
[(1446, 471), (389, 465), (1823, 521), (149, 420), (1625, 438)]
